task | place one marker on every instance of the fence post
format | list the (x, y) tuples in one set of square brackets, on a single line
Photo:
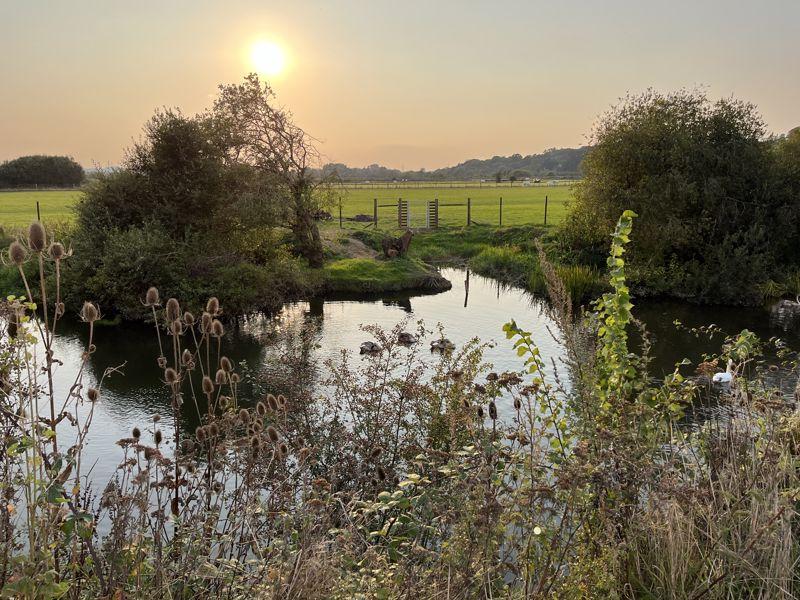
[(38, 214), (501, 211), (375, 212), (469, 211), (340, 217), (545, 209)]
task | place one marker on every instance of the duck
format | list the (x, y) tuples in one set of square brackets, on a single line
[(369, 348), (407, 338), (442, 345)]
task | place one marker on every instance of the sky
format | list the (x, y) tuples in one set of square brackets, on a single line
[(406, 84)]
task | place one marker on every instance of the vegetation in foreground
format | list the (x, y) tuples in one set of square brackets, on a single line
[(405, 481)]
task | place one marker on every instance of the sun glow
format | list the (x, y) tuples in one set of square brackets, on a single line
[(268, 58)]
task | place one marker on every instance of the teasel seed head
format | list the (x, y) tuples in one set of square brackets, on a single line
[(255, 442), (244, 416), (492, 410), (158, 437), (186, 357), (225, 364), (205, 322), (173, 310), (376, 452), (235, 378), (221, 377), (212, 306), (16, 252), (517, 404), (283, 450), (93, 394), (480, 412), (272, 434), (261, 409), (208, 385), (381, 473), (61, 308), (258, 426), (213, 430), (224, 402), (200, 433), (136, 433), (57, 251), (37, 238), (155, 418), (151, 297), (89, 312), (188, 318), (281, 401), (272, 402), (217, 329), (176, 327), (162, 362), (187, 445), (465, 402), (170, 375)]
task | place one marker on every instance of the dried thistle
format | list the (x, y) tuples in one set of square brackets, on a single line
[(89, 312), (16, 253), (225, 364), (208, 385), (93, 394), (272, 434), (173, 310), (151, 297), (212, 306), (37, 238), (57, 251), (217, 329)]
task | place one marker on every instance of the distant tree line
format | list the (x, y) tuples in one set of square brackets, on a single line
[(555, 162), (41, 170)]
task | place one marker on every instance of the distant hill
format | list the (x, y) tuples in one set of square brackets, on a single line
[(555, 163)]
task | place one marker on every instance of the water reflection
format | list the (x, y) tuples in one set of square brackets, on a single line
[(318, 330)]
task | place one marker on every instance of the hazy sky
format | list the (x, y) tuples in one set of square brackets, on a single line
[(404, 83)]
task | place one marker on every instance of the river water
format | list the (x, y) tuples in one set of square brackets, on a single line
[(466, 311)]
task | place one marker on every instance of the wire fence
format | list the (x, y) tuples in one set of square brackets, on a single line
[(482, 183)]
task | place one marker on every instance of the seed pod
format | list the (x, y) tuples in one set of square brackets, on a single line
[(136, 433), (283, 450), (261, 409), (492, 410), (480, 412), (281, 401), (465, 402), (255, 442), (200, 433), (272, 403), (173, 310), (208, 385), (170, 375), (244, 416), (89, 312), (212, 306), (381, 473), (517, 404), (177, 327), (60, 309), (188, 318), (93, 394), (57, 251), (187, 445), (217, 329), (224, 402), (225, 363), (151, 297), (213, 430), (205, 323), (235, 378), (16, 252), (158, 437), (376, 452), (221, 377), (272, 434), (37, 238), (186, 357), (155, 418)]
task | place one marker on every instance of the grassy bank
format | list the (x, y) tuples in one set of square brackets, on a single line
[(373, 275)]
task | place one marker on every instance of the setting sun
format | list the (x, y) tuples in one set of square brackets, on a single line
[(267, 58)]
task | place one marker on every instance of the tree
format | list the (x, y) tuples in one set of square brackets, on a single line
[(48, 171), (265, 137), (699, 174)]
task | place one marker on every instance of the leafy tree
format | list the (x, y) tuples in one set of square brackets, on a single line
[(47, 171), (264, 136), (701, 177)]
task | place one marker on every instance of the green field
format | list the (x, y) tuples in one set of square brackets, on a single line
[(18, 209), (521, 205)]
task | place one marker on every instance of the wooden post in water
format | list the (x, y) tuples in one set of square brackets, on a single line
[(38, 214), (545, 209), (375, 212), (501, 211), (469, 211)]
